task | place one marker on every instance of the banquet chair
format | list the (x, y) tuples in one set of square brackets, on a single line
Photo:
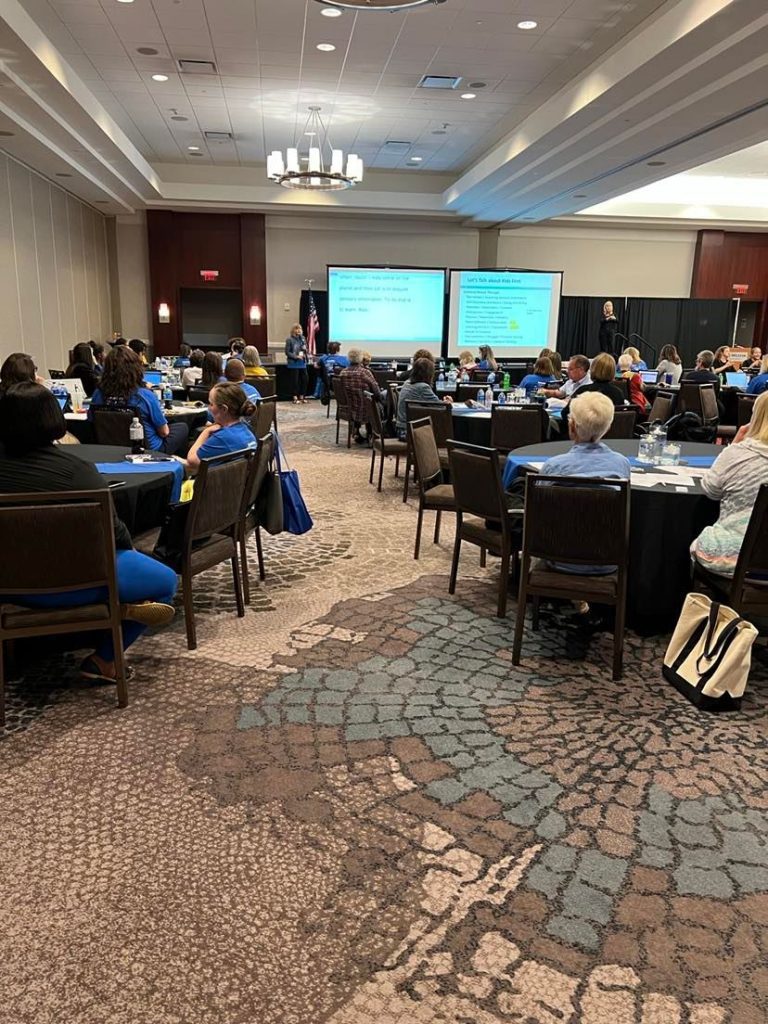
[(112, 426), (265, 417), (661, 410), (198, 394), (747, 592), (576, 521), (434, 495), (711, 414), (623, 385), (442, 424), (480, 376), (479, 494), (259, 466), (385, 446), (342, 409), (690, 398), (623, 425), (744, 406), (514, 426), (58, 543), (467, 391)]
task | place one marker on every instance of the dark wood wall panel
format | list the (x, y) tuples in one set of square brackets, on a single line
[(181, 245), (727, 258)]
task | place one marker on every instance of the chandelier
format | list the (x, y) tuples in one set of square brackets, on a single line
[(378, 5), (316, 175)]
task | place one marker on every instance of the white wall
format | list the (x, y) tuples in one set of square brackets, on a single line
[(54, 279), (599, 260), (300, 247), (132, 260)]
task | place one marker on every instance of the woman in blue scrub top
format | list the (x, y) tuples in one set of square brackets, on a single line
[(230, 431)]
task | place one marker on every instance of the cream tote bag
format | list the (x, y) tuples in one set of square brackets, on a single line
[(709, 655)]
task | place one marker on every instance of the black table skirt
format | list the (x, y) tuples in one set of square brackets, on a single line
[(194, 419), (663, 525), (142, 501)]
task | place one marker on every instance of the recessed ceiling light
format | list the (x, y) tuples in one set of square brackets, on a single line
[(526, 26), (477, 85), (193, 149), (657, 163), (331, 12), (178, 117), (469, 95), (326, 47), (416, 159), (63, 174), (579, 195), (125, 1), (7, 135), (159, 78), (102, 202), (147, 51), (310, 133)]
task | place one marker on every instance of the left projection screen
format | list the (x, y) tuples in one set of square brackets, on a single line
[(389, 311)]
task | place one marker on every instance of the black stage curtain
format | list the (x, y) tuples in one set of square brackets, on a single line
[(321, 305), (689, 324), (579, 326)]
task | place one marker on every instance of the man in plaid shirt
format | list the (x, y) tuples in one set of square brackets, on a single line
[(357, 379)]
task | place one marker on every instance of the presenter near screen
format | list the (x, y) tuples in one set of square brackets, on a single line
[(608, 327)]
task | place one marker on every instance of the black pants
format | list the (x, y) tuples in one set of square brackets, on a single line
[(176, 440), (298, 381)]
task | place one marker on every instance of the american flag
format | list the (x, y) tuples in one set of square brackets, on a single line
[(313, 324)]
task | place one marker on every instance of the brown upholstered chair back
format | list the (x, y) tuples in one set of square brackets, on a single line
[(709, 410), (623, 425), (265, 417), (516, 426), (480, 376), (340, 394), (580, 520), (198, 394), (623, 385), (264, 385), (753, 557), (425, 453), (258, 468), (218, 495), (689, 397), (476, 479), (393, 388), (744, 406), (467, 391), (440, 415), (56, 542), (661, 410), (373, 414), (112, 426)]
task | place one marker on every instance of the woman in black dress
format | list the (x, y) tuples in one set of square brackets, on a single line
[(608, 327)]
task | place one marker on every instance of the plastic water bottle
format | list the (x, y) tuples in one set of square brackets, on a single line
[(464, 377), (491, 377), (168, 395), (502, 398), (480, 397), (505, 382), (451, 377), (489, 398), (441, 380), (394, 364), (136, 435)]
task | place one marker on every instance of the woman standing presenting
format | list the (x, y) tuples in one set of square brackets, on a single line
[(608, 327), (296, 351)]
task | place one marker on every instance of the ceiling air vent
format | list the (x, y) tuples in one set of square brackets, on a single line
[(218, 136), (440, 82), (393, 146), (197, 67)]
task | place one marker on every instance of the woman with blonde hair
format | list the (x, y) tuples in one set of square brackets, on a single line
[(734, 480), (603, 377), (637, 362), (555, 358), (252, 362)]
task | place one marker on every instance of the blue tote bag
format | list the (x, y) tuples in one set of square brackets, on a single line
[(296, 518)]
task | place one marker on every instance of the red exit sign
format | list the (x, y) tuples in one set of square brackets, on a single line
[(741, 289), (209, 275)]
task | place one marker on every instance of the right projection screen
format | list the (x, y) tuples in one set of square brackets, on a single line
[(513, 311)]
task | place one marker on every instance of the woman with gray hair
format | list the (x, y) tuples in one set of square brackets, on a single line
[(356, 379)]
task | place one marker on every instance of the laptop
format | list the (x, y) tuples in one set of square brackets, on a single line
[(648, 376), (737, 380), (153, 378), (75, 390)]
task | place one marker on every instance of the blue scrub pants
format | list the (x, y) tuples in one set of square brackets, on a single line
[(139, 578)]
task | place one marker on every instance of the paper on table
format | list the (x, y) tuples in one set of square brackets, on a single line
[(535, 465), (684, 471), (654, 479)]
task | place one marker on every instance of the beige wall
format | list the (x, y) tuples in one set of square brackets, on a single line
[(601, 260), (300, 247), (132, 290), (54, 280)]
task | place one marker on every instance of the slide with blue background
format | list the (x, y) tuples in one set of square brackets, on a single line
[(391, 311), (515, 312)]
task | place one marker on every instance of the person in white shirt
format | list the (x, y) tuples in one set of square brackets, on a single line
[(193, 374), (578, 376)]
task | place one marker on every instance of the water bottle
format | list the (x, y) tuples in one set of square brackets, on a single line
[(441, 380), (480, 397), (168, 395), (505, 382), (394, 365), (502, 398), (136, 435), (659, 434), (491, 377), (452, 377), (465, 377), (489, 398)]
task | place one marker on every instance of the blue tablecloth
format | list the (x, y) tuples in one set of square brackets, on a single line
[(514, 462), (127, 468)]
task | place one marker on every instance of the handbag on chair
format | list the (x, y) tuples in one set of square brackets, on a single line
[(710, 653), (296, 518)]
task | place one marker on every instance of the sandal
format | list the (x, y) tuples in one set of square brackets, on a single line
[(90, 670), (148, 613)]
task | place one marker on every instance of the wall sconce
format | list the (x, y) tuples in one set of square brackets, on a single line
[(163, 313), (255, 316)]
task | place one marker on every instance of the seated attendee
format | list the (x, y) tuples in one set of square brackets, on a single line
[(670, 365), (234, 373), (252, 362), (759, 384), (357, 379), (31, 423), (638, 364), (182, 361), (754, 361), (555, 358), (365, 358), (417, 389), (734, 480), (420, 353), (326, 366), (17, 368), (236, 346), (82, 368), (467, 363), (118, 339), (603, 373), (230, 430), (543, 374), (634, 384), (722, 362), (194, 372), (140, 348), (703, 373), (99, 351), (213, 370), (486, 360), (122, 387), (578, 376)]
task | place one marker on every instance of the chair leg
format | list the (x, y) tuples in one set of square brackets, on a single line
[(501, 609), (381, 466), (407, 476), (338, 427), (397, 465), (418, 530), (535, 614), (244, 565), (373, 465), (260, 553), (522, 598), (483, 558), (189, 611), (437, 526), (122, 685), (618, 638), (238, 588), (2, 684), (455, 562), (349, 433)]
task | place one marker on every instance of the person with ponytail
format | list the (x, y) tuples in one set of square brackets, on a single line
[(230, 431)]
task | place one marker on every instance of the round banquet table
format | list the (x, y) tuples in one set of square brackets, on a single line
[(142, 499), (663, 524), (81, 427), (472, 426)]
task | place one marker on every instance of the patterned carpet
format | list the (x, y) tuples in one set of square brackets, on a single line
[(350, 808)]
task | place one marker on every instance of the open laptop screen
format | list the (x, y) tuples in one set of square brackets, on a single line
[(737, 380)]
